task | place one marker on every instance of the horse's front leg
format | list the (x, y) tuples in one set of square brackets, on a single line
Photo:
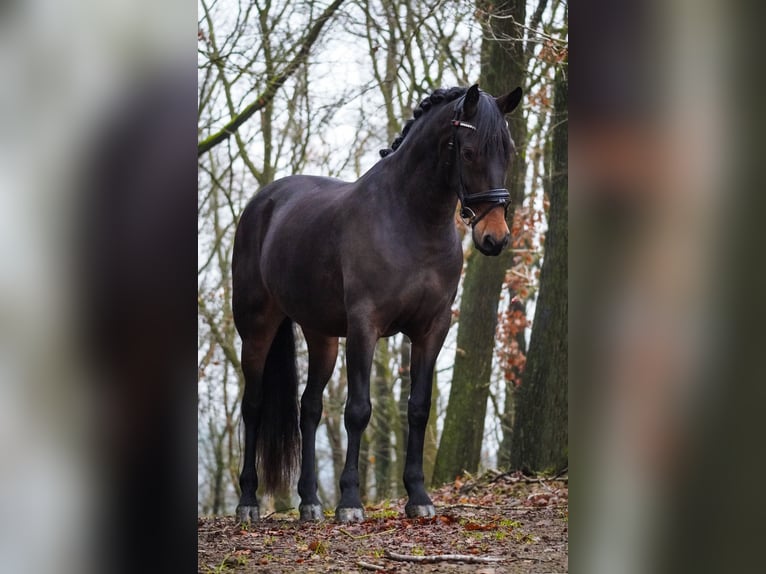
[(360, 347), (424, 354)]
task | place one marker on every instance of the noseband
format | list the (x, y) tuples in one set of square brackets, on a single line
[(498, 196)]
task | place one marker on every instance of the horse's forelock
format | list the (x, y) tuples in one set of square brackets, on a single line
[(491, 127)]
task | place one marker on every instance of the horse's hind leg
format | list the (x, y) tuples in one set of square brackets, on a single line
[(256, 342), (360, 346), (322, 354)]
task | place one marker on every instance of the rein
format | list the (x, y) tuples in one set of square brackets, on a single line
[(498, 196)]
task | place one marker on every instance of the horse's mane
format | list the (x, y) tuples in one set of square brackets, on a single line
[(486, 121), (440, 95)]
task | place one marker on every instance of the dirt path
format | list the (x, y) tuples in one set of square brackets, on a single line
[(505, 523)]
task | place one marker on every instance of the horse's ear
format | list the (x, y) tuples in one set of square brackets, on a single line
[(471, 101), (509, 101)]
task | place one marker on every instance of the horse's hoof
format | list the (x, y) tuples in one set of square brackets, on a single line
[(346, 515), (420, 510), (247, 514), (310, 512)]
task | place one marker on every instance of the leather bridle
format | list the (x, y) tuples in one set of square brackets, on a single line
[(498, 196)]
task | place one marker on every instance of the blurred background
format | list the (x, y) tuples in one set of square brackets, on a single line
[(104, 107), (662, 380), (97, 288)]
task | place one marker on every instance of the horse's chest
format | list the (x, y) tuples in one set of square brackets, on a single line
[(416, 298)]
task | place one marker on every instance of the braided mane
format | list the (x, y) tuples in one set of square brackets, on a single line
[(438, 96)]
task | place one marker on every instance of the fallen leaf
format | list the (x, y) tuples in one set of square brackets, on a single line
[(477, 526)]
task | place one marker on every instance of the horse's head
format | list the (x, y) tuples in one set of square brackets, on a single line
[(479, 151)]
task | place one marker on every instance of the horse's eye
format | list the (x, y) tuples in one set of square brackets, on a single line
[(468, 154)]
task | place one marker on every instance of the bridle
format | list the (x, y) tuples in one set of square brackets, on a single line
[(498, 196)]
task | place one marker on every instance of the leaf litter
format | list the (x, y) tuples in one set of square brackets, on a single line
[(500, 522)]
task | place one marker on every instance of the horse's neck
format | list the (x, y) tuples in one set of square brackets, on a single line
[(421, 188)]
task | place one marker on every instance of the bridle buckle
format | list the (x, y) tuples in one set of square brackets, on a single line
[(467, 215)]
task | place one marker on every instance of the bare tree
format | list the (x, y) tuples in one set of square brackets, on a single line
[(540, 430)]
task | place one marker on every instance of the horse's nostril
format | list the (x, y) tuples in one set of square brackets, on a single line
[(492, 246), (489, 243)]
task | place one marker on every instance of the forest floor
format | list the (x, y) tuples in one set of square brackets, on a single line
[(497, 523)]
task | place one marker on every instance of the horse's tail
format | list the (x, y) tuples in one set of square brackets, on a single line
[(279, 439)]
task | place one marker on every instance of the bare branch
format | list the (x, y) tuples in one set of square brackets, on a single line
[(226, 346), (534, 23), (273, 85), (369, 566), (429, 559)]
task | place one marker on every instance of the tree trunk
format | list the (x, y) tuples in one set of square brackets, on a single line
[(460, 445), (381, 422), (502, 69), (218, 483), (432, 437), (507, 417), (541, 433), (333, 417), (364, 466), (405, 350)]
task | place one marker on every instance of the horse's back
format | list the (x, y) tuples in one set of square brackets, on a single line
[(283, 193), (276, 199)]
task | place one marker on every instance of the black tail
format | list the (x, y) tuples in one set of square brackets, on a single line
[(278, 443)]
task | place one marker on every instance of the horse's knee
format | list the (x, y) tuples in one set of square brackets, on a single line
[(417, 415), (357, 415)]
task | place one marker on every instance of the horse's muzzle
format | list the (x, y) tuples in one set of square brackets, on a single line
[(491, 245)]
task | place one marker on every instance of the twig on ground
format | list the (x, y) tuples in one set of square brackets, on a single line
[(531, 479), (368, 566), (468, 558)]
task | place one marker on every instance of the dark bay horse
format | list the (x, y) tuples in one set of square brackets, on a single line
[(361, 260)]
